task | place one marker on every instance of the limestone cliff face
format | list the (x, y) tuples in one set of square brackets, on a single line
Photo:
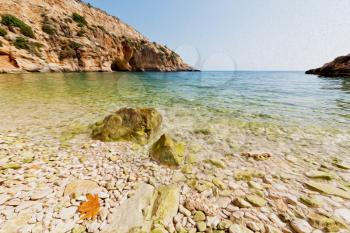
[(68, 35), (340, 67)]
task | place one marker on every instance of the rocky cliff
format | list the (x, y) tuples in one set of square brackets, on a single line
[(340, 67), (68, 35)]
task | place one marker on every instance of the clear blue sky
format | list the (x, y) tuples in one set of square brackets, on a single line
[(242, 34)]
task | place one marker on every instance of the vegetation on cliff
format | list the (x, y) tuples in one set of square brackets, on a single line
[(72, 36)]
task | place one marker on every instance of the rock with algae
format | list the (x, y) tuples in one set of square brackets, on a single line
[(167, 152), (129, 124)]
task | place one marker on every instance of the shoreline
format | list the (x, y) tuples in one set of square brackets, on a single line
[(230, 192)]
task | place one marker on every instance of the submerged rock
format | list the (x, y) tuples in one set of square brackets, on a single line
[(167, 152), (128, 124)]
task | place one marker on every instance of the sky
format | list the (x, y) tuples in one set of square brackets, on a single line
[(242, 34)]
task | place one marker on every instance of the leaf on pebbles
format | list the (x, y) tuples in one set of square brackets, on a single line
[(90, 208)]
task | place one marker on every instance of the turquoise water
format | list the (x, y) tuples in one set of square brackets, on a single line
[(287, 112)]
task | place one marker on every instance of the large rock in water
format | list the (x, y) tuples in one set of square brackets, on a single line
[(340, 67), (167, 152), (128, 124)]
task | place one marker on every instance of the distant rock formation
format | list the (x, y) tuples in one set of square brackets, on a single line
[(340, 67), (68, 35)]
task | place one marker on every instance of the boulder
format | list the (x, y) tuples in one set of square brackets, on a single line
[(167, 152), (132, 213), (166, 204), (128, 124)]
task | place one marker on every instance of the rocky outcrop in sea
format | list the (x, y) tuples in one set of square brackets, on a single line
[(340, 67)]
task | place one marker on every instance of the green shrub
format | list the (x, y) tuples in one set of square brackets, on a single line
[(79, 19), (70, 50), (81, 33), (74, 45), (0, 43), (66, 52), (21, 43), (10, 20), (3, 32), (48, 29), (24, 43)]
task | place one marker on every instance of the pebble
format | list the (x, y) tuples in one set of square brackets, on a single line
[(301, 226), (68, 213), (40, 194)]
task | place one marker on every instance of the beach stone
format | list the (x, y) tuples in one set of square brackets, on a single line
[(68, 213), (166, 204), (191, 159), (322, 222), (63, 227), (40, 194), (217, 162), (241, 203), (4, 198), (81, 187), (13, 166), (311, 202), (129, 124), (167, 152), (235, 228), (327, 189), (343, 214), (79, 229), (256, 200), (301, 226), (224, 224), (218, 183), (201, 226), (255, 185), (199, 216), (319, 175), (342, 166), (130, 214), (38, 228), (15, 224), (248, 175)]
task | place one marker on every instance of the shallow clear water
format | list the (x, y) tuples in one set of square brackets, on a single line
[(283, 112)]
